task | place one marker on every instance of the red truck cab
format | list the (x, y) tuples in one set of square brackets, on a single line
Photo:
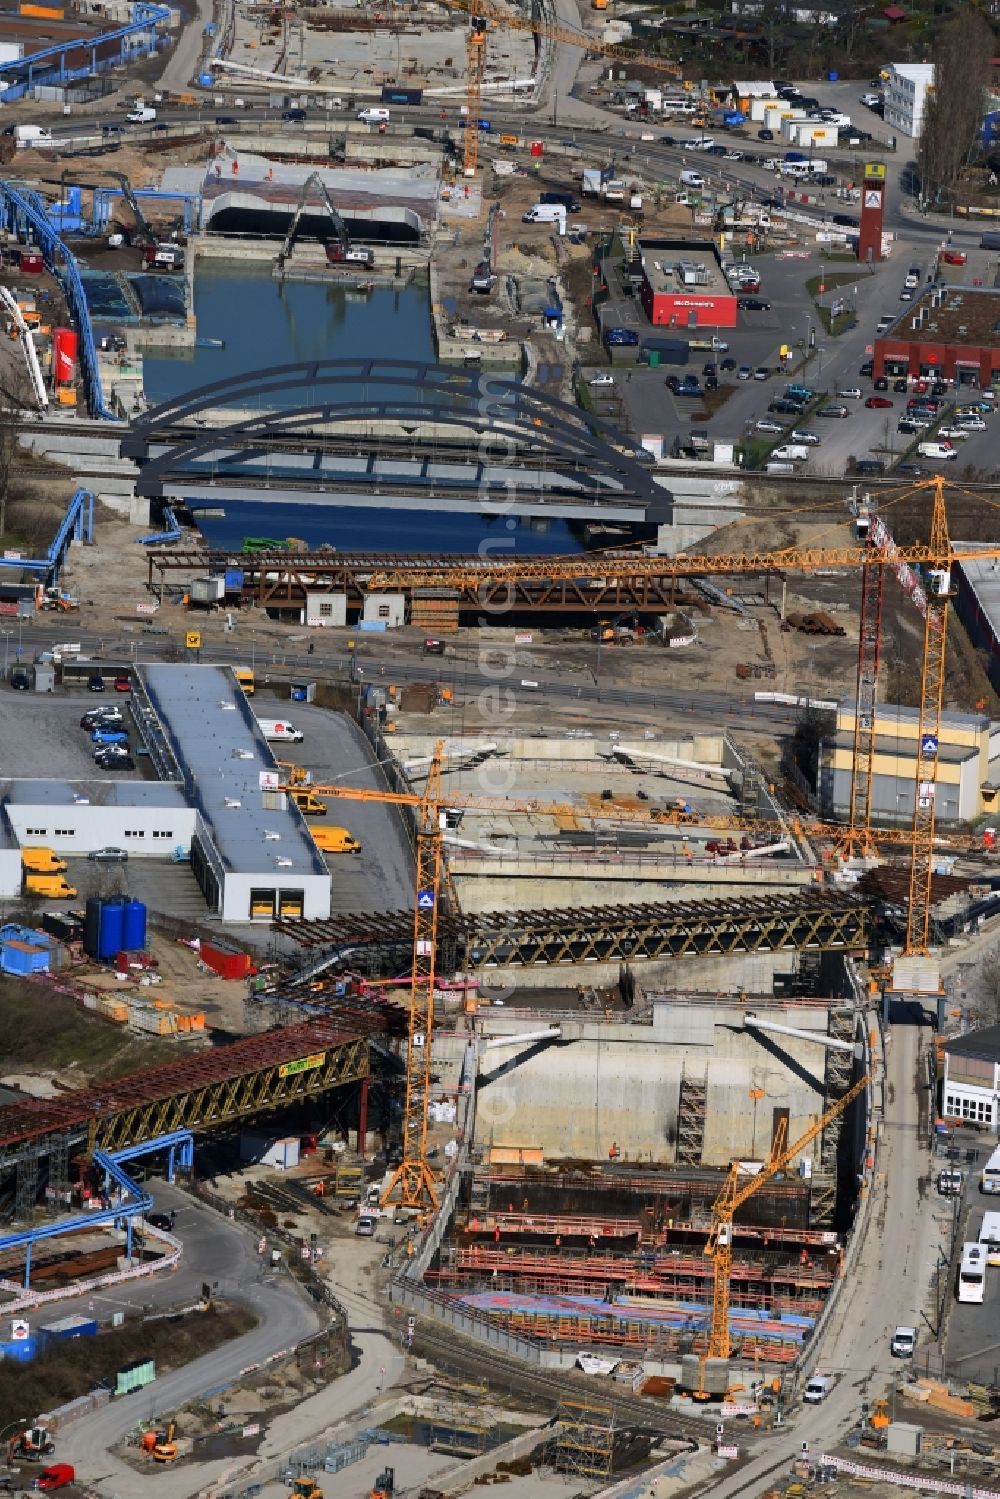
[(56, 1476)]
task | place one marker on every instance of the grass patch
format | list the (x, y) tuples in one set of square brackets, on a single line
[(67, 1370), (40, 1028), (712, 402), (829, 283)]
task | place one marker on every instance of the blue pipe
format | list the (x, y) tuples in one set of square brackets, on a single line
[(138, 1199), (27, 209), (144, 17), (79, 519)]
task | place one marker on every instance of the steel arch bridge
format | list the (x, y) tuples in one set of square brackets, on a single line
[(480, 424)]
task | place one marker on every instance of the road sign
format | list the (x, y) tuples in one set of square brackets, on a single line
[(929, 745), (193, 640), (425, 900)]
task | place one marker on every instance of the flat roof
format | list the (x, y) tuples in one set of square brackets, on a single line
[(966, 315), (906, 749), (60, 793), (664, 262), (221, 751), (984, 1044), (896, 713), (983, 579)]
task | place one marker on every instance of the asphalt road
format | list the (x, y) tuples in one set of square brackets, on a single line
[(973, 1340), (464, 678), (220, 1252)]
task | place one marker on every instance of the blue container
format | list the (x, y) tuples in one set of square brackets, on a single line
[(234, 580), (298, 694), (833, 77), (134, 932), (24, 1350), (92, 926), (73, 199), (205, 80), (23, 960), (111, 935)]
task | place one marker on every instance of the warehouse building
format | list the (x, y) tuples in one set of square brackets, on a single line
[(977, 604), (251, 851), (968, 766), (950, 333), (683, 285)]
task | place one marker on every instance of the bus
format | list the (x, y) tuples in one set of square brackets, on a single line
[(971, 1274), (990, 1180), (989, 1237)]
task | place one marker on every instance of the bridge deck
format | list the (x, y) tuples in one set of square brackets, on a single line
[(195, 1092)]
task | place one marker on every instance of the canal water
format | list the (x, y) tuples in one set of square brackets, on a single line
[(261, 323)]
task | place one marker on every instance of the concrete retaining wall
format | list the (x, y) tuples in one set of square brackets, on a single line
[(623, 1086)]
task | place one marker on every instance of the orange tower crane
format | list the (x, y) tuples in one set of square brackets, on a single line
[(485, 16), (936, 556), (719, 1246)]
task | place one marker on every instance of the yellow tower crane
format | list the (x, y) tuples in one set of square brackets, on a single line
[(484, 17), (734, 1194)]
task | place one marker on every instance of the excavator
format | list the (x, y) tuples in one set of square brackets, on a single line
[(161, 1445), (30, 1445)]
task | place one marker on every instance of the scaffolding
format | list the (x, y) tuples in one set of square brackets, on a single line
[(692, 1107), (839, 1076), (585, 1440)]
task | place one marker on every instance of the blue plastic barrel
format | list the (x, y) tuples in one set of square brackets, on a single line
[(92, 927), (134, 933), (205, 80), (112, 932), (833, 77)]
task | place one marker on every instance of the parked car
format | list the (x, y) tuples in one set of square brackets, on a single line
[(626, 337), (953, 257), (95, 682), (709, 368), (672, 383), (849, 393), (753, 304), (765, 424), (110, 714), (123, 682), (867, 369), (900, 386), (785, 407), (109, 855), (762, 372), (745, 372), (813, 439), (878, 403), (881, 383), (765, 135), (115, 762), (833, 411), (602, 379), (728, 364)]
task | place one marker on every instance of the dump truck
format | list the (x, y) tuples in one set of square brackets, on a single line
[(42, 861)]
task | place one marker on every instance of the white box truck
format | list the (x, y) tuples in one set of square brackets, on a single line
[(26, 136)]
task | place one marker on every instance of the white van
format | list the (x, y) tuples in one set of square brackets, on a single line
[(937, 450), (792, 452), (692, 179), (374, 116), (545, 213), (281, 730), (817, 1389)]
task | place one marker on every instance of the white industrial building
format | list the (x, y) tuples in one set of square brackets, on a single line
[(971, 1088), (906, 96), (977, 604), (251, 851)]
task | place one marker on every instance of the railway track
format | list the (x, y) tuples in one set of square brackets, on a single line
[(449, 1351)]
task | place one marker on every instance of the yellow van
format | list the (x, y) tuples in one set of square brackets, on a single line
[(335, 840), (42, 861), (245, 678), (308, 801), (52, 886)]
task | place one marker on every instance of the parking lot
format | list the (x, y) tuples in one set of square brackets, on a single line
[(971, 1347), (40, 735), (641, 400)]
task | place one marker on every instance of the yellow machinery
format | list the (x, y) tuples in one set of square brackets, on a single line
[(306, 1488), (485, 17), (732, 1197)]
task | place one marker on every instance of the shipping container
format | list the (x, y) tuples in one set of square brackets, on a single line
[(227, 962), (23, 958), (65, 1328), (402, 95)]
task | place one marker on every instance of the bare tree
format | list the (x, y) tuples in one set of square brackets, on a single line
[(9, 448), (954, 110)]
